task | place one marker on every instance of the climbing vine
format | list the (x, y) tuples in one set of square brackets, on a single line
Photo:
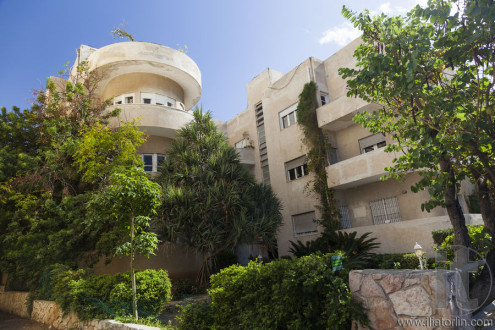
[(317, 157)]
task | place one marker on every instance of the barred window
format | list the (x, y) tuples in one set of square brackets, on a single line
[(345, 219), (385, 210)]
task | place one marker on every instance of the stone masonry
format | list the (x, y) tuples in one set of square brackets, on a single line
[(394, 297), (49, 313)]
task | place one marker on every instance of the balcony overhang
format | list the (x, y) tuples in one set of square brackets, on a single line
[(246, 156), (338, 114), (122, 58), (360, 170), (158, 120)]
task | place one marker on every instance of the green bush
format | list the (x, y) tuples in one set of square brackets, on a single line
[(481, 241), (303, 293), (440, 235), (185, 287), (225, 259), (110, 295), (197, 316), (397, 261)]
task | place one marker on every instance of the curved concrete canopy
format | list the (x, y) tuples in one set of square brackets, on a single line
[(143, 57), (158, 120)]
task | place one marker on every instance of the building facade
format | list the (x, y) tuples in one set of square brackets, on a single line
[(157, 86), (355, 164)]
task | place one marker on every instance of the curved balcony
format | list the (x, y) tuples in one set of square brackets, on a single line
[(143, 57), (158, 120)]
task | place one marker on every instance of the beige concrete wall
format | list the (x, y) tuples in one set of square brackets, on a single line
[(155, 144), (243, 126), (285, 145), (337, 86), (119, 59), (400, 237), (152, 119), (173, 258), (347, 141), (138, 83), (358, 200)]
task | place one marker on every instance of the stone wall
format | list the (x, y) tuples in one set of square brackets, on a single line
[(49, 313), (394, 297), (14, 302)]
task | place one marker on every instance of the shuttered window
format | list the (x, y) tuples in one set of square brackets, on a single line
[(304, 224)]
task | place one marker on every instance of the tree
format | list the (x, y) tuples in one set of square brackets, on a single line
[(127, 204), (44, 189), (433, 72), (211, 203)]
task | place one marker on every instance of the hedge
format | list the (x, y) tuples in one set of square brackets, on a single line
[(104, 296), (303, 293)]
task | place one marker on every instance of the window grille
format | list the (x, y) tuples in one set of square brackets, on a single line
[(385, 210), (345, 219)]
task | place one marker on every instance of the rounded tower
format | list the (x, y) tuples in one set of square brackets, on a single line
[(153, 84)]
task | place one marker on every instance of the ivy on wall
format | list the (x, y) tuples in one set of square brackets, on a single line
[(318, 145)]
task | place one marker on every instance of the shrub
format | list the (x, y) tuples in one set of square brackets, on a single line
[(440, 235), (185, 287), (110, 295), (225, 259), (303, 293), (397, 261), (481, 241), (197, 316)]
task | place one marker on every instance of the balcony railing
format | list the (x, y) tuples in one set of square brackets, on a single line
[(246, 156), (359, 170), (338, 114)]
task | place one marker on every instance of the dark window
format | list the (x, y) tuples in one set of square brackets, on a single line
[(129, 99), (148, 163), (147, 101)]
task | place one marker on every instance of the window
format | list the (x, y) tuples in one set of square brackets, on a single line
[(288, 117), (385, 210), (296, 168), (152, 161), (345, 219), (304, 224), (323, 98), (159, 159), (129, 99), (165, 100), (118, 99), (372, 142), (148, 162), (147, 101), (332, 157)]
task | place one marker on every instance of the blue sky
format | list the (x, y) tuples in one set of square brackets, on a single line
[(231, 41)]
